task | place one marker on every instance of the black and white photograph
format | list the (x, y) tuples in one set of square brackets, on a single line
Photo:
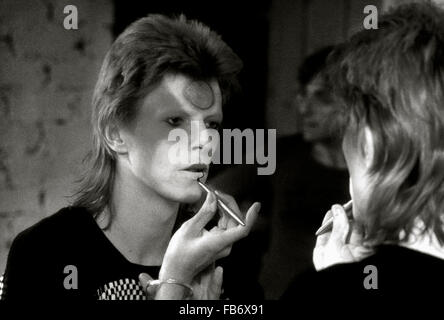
[(241, 151)]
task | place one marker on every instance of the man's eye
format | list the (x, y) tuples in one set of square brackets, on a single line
[(174, 121), (213, 125)]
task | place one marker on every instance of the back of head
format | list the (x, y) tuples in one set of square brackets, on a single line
[(391, 80)]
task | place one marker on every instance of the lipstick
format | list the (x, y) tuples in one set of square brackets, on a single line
[(222, 205)]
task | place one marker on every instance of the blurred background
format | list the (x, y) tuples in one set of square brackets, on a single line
[(47, 75)]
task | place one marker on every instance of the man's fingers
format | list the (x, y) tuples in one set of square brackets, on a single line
[(223, 220), (252, 214), (216, 284), (144, 279), (322, 239), (229, 200), (206, 212), (206, 275), (236, 233), (232, 204), (341, 225)]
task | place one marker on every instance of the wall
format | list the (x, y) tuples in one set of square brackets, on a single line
[(46, 80), (297, 28)]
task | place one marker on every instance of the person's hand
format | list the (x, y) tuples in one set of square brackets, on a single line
[(193, 248), (225, 221), (208, 284), (342, 245), (150, 292)]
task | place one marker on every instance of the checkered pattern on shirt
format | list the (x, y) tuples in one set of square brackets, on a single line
[(123, 289), (2, 287)]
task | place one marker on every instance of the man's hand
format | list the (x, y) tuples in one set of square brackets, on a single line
[(206, 286), (342, 245), (193, 248)]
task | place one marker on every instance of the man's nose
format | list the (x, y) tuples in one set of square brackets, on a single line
[(199, 136)]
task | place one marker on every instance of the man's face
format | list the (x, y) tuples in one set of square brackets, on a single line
[(316, 108), (178, 102)]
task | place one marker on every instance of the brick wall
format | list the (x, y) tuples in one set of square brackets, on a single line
[(47, 75)]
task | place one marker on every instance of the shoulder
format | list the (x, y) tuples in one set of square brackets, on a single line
[(332, 286), (39, 254), (391, 270), (338, 275), (51, 240), (61, 225)]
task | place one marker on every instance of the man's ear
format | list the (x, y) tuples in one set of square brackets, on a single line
[(114, 139), (369, 147)]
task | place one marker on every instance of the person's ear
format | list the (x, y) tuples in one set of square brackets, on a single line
[(115, 139), (369, 147)]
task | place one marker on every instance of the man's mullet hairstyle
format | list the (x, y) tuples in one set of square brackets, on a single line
[(147, 50), (392, 80)]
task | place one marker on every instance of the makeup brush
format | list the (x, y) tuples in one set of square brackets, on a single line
[(329, 223), (221, 204)]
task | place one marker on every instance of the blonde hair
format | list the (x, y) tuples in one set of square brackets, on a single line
[(392, 81)]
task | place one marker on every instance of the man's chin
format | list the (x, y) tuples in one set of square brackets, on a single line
[(191, 194), (190, 198)]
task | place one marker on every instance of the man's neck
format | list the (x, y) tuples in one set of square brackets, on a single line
[(426, 242), (142, 220)]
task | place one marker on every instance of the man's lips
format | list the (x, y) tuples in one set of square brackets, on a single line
[(198, 168)]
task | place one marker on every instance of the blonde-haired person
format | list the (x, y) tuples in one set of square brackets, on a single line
[(391, 83), (160, 74)]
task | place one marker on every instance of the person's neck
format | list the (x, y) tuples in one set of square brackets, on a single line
[(329, 154), (142, 220), (426, 242)]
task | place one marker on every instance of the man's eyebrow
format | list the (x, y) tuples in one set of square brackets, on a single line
[(170, 111)]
